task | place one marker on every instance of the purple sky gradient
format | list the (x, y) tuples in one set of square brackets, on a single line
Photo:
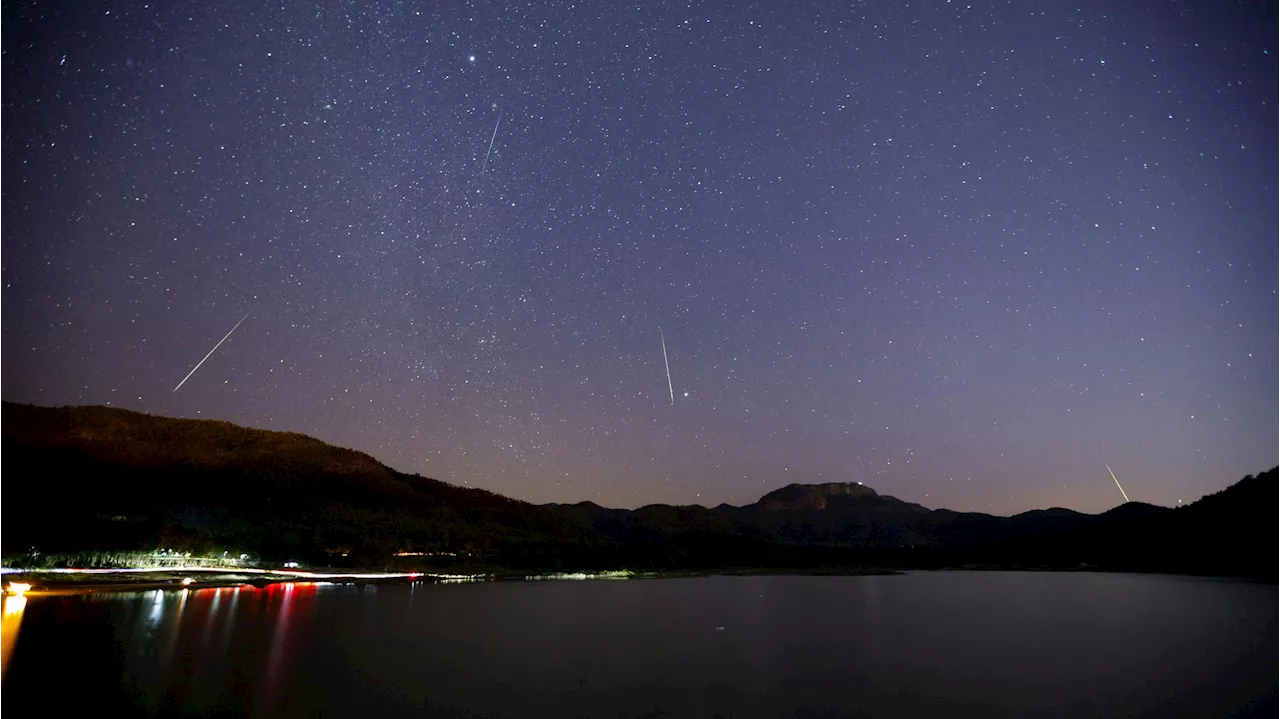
[(964, 253)]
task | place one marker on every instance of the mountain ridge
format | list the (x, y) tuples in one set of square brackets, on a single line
[(111, 478)]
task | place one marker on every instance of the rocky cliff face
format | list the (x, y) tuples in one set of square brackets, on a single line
[(814, 496)]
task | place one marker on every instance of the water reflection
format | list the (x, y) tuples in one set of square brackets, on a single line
[(173, 631), (9, 626), (192, 650), (224, 637), (911, 645), (157, 608), (283, 601), (189, 646)]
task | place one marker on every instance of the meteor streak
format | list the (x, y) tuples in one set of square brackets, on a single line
[(215, 349), (491, 139), (1113, 478), (670, 389)]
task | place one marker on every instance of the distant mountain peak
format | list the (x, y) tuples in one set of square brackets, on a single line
[(814, 496)]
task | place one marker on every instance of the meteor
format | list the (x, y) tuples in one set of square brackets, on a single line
[(1113, 478), (491, 139), (670, 389), (215, 349)]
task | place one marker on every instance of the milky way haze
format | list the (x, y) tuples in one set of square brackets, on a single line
[(968, 254)]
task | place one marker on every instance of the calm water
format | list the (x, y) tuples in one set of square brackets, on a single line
[(940, 644)]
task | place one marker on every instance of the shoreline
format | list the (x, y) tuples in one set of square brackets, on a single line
[(53, 583), (50, 583)]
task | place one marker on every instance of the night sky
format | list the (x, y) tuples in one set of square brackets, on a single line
[(963, 253)]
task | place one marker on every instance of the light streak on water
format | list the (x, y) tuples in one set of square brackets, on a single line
[(9, 626), (157, 609)]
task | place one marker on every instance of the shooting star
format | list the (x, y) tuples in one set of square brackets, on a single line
[(491, 139), (215, 349), (1113, 478), (670, 389)]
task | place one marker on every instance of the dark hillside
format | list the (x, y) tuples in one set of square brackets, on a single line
[(101, 479), (113, 479)]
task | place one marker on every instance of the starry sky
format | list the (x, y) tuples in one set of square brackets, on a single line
[(964, 253)]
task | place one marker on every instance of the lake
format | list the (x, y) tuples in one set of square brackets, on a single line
[(922, 644)]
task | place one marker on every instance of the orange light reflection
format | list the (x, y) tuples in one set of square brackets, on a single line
[(9, 626)]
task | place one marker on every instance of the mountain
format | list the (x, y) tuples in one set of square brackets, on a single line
[(838, 514), (96, 478), (817, 496), (1227, 533), (109, 479)]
